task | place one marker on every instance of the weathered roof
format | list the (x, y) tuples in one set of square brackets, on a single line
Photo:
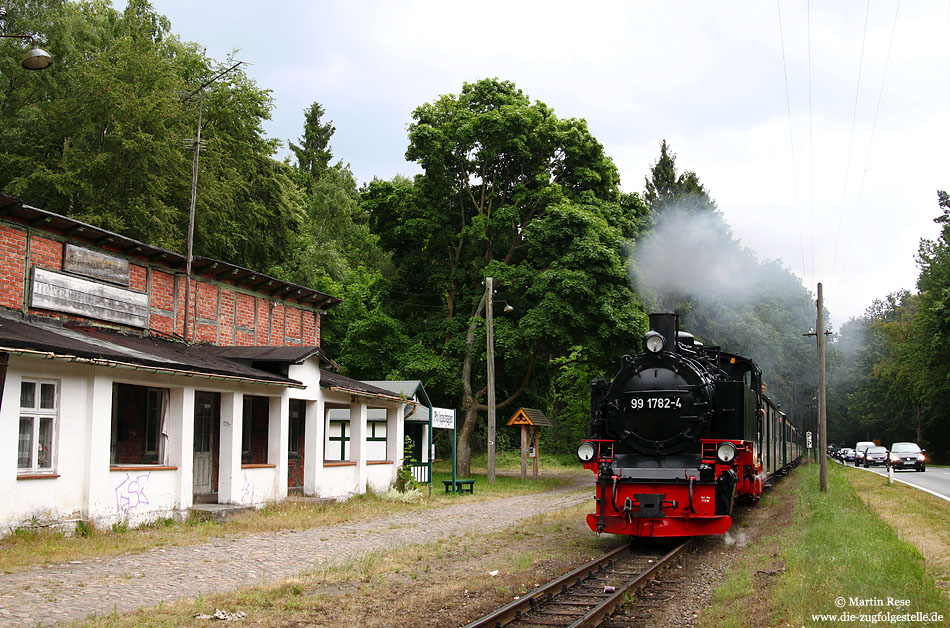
[(291, 354), (406, 388), (12, 207), (336, 382), (45, 338), (529, 416)]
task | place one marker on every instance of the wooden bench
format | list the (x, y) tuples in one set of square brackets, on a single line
[(461, 486)]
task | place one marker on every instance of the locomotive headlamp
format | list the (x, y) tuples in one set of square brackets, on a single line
[(653, 342), (586, 452), (726, 453)]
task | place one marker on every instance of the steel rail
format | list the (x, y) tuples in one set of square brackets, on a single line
[(599, 612), (546, 593)]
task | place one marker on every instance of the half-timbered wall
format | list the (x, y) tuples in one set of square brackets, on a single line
[(222, 313)]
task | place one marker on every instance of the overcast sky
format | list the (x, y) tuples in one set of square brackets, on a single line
[(843, 208)]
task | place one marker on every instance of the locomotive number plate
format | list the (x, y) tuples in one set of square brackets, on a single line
[(655, 403)]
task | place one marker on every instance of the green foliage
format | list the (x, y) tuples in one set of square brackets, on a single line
[(404, 480), (101, 135), (508, 190), (84, 528), (895, 377)]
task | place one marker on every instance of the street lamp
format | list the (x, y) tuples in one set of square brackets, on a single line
[(36, 58)]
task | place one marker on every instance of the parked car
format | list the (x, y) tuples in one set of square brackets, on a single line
[(875, 457), (847, 455), (906, 456), (859, 451)]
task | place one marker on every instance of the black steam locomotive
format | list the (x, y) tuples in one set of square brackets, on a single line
[(680, 434)]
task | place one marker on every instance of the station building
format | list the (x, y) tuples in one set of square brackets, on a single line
[(108, 414)]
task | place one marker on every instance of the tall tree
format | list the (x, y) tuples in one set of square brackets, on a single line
[(511, 191), (101, 135), (666, 190), (338, 254), (313, 154)]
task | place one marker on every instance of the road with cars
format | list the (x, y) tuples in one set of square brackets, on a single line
[(935, 479)]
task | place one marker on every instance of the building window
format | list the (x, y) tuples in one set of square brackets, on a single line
[(138, 424), (39, 410), (256, 420), (338, 435), (376, 433)]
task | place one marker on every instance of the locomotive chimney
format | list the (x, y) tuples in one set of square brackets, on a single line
[(666, 324)]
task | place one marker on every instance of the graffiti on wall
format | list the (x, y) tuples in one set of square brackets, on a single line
[(130, 494), (247, 491)]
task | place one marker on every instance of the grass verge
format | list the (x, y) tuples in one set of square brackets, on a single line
[(917, 517), (833, 556), (27, 547)]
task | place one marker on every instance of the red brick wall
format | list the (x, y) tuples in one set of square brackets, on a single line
[(225, 316), (244, 326), (138, 278), (293, 325), (46, 253), (309, 329), (263, 323), (277, 314), (12, 266)]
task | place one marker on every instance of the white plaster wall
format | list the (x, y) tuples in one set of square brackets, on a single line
[(48, 500), (257, 486), (86, 488), (379, 477), (140, 495), (338, 482)]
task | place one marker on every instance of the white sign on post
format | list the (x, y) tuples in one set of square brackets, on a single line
[(443, 418), (808, 439)]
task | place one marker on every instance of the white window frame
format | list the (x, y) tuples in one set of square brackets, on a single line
[(36, 414), (342, 442)]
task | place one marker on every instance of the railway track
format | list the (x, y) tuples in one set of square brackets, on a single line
[(587, 595)]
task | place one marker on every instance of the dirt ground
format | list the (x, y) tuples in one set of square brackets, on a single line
[(453, 585), (455, 581)]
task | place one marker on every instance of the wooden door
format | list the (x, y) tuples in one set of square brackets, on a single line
[(295, 441), (206, 416)]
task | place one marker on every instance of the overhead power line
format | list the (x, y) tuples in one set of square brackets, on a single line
[(867, 159), (847, 168), (791, 141)]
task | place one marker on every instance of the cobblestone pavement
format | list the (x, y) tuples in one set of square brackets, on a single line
[(46, 596)]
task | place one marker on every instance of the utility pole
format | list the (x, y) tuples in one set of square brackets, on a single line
[(490, 342), (822, 416), (194, 194)]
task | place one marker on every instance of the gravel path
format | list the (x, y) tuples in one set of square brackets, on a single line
[(46, 596)]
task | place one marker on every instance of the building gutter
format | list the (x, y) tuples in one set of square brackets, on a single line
[(49, 355)]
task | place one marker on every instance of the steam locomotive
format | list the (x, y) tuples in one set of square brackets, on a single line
[(681, 434)]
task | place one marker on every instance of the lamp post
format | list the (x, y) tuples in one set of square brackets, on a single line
[(490, 341), (490, 367), (36, 58)]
